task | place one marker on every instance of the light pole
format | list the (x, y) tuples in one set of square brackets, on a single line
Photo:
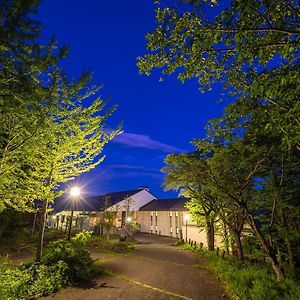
[(186, 218), (75, 192)]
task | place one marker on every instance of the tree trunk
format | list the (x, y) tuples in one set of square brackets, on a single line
[(269, 251), (33, 224), (39, 249), (2, 228), (239, 246), (290, 256), (226, 235), (210, 233)]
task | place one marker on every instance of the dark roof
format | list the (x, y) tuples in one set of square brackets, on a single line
[(165, 205), (95, 203)]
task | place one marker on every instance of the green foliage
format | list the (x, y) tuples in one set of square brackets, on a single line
[(202, 41), (247, 280), (64, 262), (103, 245), (29, 280), (52, 128), (73, 254), (249, 160)]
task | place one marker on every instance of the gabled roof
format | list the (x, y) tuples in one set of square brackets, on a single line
[(95, 203), (166, 205)]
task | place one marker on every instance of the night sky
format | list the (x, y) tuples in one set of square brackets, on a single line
[(158, 117)]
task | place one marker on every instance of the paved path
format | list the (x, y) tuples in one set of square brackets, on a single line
[(157, 270)]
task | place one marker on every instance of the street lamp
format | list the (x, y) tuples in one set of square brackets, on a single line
[(186, 218), (75, 192), (129, 219)]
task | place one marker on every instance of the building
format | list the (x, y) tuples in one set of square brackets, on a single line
[(170, 217), (88, 211), (165, 217)]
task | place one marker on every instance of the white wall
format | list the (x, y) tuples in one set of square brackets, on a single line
[(137, 201), (188, 230)]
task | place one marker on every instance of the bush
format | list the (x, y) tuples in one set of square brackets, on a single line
[(63, 262), (29, 280), (73, 254), (247, 280)]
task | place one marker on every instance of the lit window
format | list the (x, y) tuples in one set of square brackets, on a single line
[(170, 214), (156, 228), (177, 230), (151, 213), (176, 213), (171, 229), (156, 213)]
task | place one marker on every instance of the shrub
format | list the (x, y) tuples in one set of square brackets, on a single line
[(73, 254), (249, 281), (29, 280), (63, 262)]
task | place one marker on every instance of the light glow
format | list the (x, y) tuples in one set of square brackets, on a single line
[(75, 191), (129, 219), (186, 218)]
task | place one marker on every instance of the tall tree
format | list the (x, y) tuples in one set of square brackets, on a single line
[(24, 97), (188, 174), (72, 139)]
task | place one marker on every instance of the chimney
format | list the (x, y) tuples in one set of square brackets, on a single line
[(146, 188)]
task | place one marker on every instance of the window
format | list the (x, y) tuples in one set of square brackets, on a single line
[(170, 213), (171, 229)]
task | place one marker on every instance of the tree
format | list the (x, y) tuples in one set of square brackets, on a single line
[(73, 138), (24, 98), (52, 129), (188, 174), (108, 217), (250, 47)]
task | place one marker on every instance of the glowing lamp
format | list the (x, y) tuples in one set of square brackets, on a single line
[(75, 191)]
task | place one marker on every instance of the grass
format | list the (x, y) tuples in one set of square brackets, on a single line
[(101, 244), (21, 241), (247, 281)]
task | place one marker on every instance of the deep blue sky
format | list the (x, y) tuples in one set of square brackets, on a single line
[(158, 117)]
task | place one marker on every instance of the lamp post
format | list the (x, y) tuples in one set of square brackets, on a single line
[(75, 192), (186, 218)]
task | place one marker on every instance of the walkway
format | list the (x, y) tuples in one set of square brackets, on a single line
[(157, 270)]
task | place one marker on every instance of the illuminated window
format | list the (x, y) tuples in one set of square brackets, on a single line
[(171, 229), (177, 230), (170, 214), (176, 214)]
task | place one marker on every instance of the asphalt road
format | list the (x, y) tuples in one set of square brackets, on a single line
[(156, 270)]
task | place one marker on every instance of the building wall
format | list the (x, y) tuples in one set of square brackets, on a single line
[(135, 201), (173, 224), (85, 220)]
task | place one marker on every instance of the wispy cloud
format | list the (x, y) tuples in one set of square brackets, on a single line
[(144, 141), (132, 167), (127, 171)]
